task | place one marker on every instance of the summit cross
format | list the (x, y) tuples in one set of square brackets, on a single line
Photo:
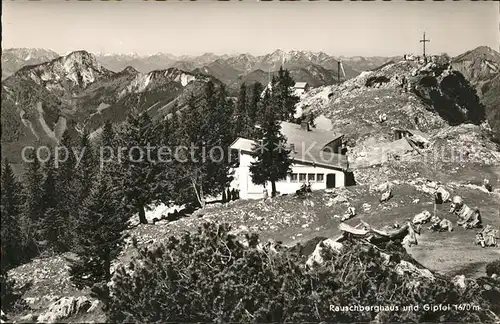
[(424, 41)]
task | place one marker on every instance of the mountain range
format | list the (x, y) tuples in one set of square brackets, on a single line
[(15, 58), (76, 93), (80, 91), (316, 68)]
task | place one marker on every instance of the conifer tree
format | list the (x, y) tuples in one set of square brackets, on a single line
[(33, 203), (86, 169), (52, 225), (106, 149), (11, 202), (273, 161), (283, 93), (68, 193), (107, 135), (99, 236), (205, 168), (218, 141), (11, 297), (253, 105), (240, 113), (142, 179), (191, 166), (210, 97), (174, 128)]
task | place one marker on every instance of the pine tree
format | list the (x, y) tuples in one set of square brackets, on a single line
[(11, 202), (107, 135), (273, 162), (210, 96), (263, 105), (142, 179), (51, 226), (86, 169), (33, 204), (218, 141), (174, 129), (253, 105), (282, 91), (107, 148), (240, 113), (68, 194), (205, 169), (99, 235), (192, 169), (10, 296)]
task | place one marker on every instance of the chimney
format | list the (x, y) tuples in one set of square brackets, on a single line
[(292, 148), (304, 125)]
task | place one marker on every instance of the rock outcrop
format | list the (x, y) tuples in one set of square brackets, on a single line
[(66, 307)]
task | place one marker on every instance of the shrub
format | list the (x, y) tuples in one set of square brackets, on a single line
[(11, 298), (371, 81), (210, 277), (493, 267), (428, 81)]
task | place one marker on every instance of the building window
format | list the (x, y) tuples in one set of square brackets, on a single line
[(293, 177), (320, 177), (311, 177), (302, 177)]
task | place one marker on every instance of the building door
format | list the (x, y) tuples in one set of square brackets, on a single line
[(330, 180), (349, 179)]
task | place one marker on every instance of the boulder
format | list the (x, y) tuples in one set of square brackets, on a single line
[(443, 194), (66, 307), (29, 318), (3, 317), (488, 236), (405, 267), (338, 200), (366, 207), (440, 225), (422, 218), (386, 186), (350, 213), (316, 257), (386, 196), (459, 281)]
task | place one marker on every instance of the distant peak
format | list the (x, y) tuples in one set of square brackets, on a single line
[(129, 70), (80, 54), (483, 48), (478, 52)]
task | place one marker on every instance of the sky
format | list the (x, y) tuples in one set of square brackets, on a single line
[(179, 27)]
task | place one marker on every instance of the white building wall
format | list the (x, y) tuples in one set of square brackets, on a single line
[(249, 190), (299, 92)]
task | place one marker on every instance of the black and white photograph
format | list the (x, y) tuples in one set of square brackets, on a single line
[(250, 161)]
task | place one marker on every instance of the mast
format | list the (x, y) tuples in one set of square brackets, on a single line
[(338, 71)]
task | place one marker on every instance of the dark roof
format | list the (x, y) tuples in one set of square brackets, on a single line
[(309, 146)]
